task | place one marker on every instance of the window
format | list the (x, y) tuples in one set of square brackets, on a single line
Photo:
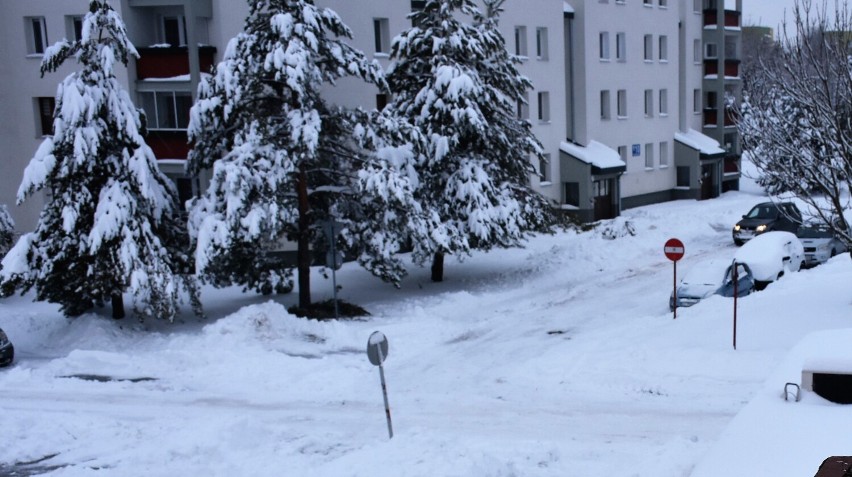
[(541, 43), (730, 140), (381, 33), (572, 193), (605, 105), (649, 47), (649, 103), (648, 3), (619, 2), (544, 167), (521, 40), (710, 51), (622, 103), (417, 6), (166, 109), (664, 154), (649, 155), (683, 176), (544, 106), (604, 45), (664, 4), (664, 48), (44, 113), (381, 101), (664, 102), (696, 51), (523, 107), (622, 152), (74, 27), (621, 46), (174, 30), (36, 35), (711, 100), (696, 101), (731, 43)]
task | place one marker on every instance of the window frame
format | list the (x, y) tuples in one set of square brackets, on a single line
[(606, 104), (543, 98), (154, 118), (621, 46), (621, 104), (36, 34), (541, 44), (603, 46), (44, 120), (663, 102), (663, 152), (544, 169), (663, 48), (649, 103), (648, 48), (521, 50), (649, 156), (381, 36)]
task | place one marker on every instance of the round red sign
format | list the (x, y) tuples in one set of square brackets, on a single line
[(673, 249)]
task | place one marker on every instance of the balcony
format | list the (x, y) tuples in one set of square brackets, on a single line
[(711, 117), (171, 61), (732, 18), (732, 68), (168, 144)]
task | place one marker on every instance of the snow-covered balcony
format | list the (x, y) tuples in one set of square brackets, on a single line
[(171, 61), (731, 18), (711, 117), (732, 67)]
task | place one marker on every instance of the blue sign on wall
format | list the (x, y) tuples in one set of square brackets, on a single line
[(636, 150)]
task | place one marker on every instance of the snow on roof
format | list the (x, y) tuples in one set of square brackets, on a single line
[(699, 142), (566, 8), (595, 153)]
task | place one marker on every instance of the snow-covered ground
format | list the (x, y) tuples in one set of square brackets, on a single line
[(559, 359)]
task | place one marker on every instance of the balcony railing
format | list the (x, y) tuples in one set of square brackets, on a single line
[(731, 18), (171, 61), (711, 117), (168, 144), (732, 67)]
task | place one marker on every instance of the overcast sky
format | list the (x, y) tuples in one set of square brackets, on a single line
[(766, 12)]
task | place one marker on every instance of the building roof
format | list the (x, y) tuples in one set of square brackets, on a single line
[(699, 142), (597, 154)]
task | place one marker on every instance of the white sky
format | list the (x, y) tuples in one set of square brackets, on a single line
[(766, 12)]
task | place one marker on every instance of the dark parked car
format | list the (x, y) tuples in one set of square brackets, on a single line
[(765, 217), (7, 351), (708, 279)]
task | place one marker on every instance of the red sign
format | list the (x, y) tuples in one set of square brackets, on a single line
[(673, 249)]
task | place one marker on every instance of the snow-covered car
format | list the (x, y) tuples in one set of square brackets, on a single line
[(765, 217), (820, 243), (770, 256), (711, 278), (7, 351)]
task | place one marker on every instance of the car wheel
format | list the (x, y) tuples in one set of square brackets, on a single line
[(833, 252), (738, 243)]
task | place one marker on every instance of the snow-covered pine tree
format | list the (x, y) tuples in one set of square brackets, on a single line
[(284, 160), (456, 82), (109, 224), (7, 230)]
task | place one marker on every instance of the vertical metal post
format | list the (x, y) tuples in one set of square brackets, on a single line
[(734, 275), (674, 293), (334, 275), (385, 393)]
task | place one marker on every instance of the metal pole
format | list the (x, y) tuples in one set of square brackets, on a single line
[(385, 393), (334, 274), (675, 290), (734, 275)]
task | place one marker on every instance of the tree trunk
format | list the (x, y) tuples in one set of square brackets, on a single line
[(117, 306), (303, 260), (438, 267)]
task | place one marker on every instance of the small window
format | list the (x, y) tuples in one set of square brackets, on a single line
[(36, 35), (696, 101), (648, 3), (664, 102), (541, 43), (381, 33), (166, 109), (683, 176), (381, 101), (664, 154), (649, 155), (604, 45), (696, 51), (44, 111), (523, 107), (606, 108), (649, 47), (622, 152), (74, 27), (664, 4), (622, 103), (174, 30), (619, 2), (621, 46), (649, 103), (710, 51), (664, 48), (730, 140), (544, 106), (521, 41), (572, 193), (544, 167)]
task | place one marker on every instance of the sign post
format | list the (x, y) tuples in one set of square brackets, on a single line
[(734, 277), (674, 251), (333, 259), (377, 351)]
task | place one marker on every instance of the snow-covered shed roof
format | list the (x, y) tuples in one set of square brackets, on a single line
[(595, 153), (567, 8), (699, 142)]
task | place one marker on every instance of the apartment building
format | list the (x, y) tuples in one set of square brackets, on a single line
[(620, 102)]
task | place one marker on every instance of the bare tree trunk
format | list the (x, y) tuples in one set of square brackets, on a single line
[(117, 306), (438, 267), (303, 260)]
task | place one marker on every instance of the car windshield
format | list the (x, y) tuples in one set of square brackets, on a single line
[(763, 211), (814, 231)]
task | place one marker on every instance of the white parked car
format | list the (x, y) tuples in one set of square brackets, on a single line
[(820, 243), (771, 255)]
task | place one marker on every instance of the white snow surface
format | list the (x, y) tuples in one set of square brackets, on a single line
[(594, 153), (558, 359), (700, 142)]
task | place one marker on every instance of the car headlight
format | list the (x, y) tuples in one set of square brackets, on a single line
[(737, 228), (760, 228)]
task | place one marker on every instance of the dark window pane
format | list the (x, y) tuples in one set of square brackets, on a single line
[(166, 118), (38, 37), (171, 31), (46, 106), (78, 28), (683, 176), (572, 193), (183, 103)]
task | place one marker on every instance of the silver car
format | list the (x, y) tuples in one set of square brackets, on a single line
[(819, 242)]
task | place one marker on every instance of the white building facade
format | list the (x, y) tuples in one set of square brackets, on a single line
[(617, 99)]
